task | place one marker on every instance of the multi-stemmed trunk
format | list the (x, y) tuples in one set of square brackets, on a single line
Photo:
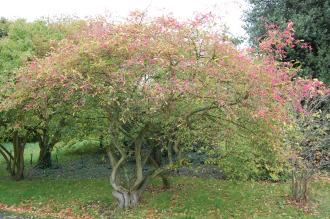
[(15, 160), (19, 145), (127, 197), (300, 180), (130, 195)]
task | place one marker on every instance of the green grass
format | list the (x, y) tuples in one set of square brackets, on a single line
[(188, 198), (60, 192), (210, 198)]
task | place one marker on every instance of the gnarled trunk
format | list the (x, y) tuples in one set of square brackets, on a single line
[(127, 199), (128, 193)]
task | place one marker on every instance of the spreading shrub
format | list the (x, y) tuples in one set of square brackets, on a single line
[(159, 85)]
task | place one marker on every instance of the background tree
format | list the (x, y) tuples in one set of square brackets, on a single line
[(311, 19), (12, 130), (3, 27), (22, 42), (48, 112)]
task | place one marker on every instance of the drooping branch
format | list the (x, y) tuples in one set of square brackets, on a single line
[(6, 154), (202, 109), (239, 125)]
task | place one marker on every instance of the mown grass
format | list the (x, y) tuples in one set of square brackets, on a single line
[(210, 198), (189, 197)]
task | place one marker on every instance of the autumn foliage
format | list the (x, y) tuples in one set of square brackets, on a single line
[(163, 84)]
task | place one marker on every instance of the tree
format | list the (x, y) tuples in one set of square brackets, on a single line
[(162, 85), (311, 19), (308, 130), (12, 129), (22, 43), (3, 27)]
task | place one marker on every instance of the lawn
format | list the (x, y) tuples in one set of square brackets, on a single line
[(189, 197)]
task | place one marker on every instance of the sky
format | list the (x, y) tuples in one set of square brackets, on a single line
[(230, 11)]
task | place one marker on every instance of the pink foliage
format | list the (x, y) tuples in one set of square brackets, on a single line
[(277, 41), (285, 89), (201, 65)]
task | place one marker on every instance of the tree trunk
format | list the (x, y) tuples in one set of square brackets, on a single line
[(299, 187), (47, 142), (45, 156), (166, 181), (127, 199), (19, 163), (128, 196), (17, 171)]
